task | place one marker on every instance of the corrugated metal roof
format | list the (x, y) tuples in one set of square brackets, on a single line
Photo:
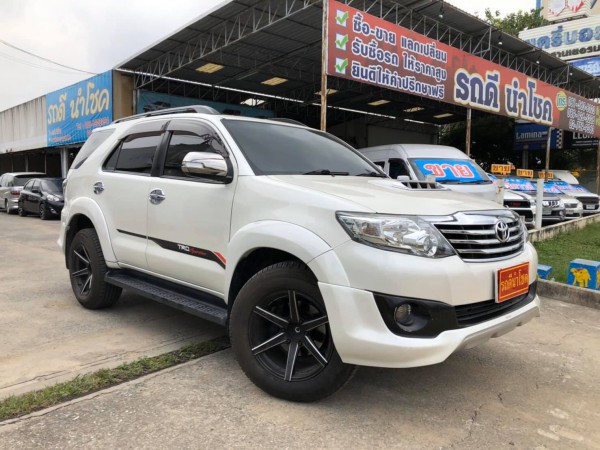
[(291, 48)]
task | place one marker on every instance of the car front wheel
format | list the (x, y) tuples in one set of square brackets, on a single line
[(87, 269), (280, 334)]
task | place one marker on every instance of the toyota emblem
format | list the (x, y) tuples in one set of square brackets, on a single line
[(502, 232)]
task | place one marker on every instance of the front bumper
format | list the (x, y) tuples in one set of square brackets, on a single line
[(362, 337), (553, 215), (350, 274)]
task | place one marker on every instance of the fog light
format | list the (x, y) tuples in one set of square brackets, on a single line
[(403, 314)]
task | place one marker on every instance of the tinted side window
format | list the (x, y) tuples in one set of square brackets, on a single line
[(398, 168), (28, 185), (34, 184), (137, 152), (183, 142), (379, 163), (92, 143)]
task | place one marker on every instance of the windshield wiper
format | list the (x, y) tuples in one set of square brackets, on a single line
[(325, 172), (372, 174)]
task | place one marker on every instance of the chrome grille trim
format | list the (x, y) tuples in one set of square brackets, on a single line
[(473, 235)]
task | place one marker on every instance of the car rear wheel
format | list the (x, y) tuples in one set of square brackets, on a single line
[(21, 211), (280, 334), (87, 269)]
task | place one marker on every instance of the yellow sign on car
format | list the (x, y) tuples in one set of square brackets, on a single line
[(501, 169), (527, 173), (542, 174)]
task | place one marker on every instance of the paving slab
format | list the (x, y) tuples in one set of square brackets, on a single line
[(534, 388)]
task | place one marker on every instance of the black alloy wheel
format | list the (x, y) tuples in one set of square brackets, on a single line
[(280, 334), (87, 269)]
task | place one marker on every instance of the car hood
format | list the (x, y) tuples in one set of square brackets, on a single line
[(512, 195), (387, 196)]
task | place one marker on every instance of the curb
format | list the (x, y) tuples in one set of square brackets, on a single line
[(569, 294), (551, 231)]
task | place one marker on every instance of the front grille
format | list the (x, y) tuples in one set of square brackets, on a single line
[(551, 203), (467, 315), (516, 204), (588, 200), (474, 236)]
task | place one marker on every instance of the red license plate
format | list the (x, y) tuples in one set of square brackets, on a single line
[(512, 282)]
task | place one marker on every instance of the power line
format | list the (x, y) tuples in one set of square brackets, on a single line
[(32, 64), (8, 44)]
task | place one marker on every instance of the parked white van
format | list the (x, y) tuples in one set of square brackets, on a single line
[(451, 167)]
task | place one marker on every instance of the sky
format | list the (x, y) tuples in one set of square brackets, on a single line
[(96, 36)]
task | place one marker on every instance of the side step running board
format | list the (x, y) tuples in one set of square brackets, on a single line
[(193, 302)]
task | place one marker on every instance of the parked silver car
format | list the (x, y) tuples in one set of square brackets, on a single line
[(11, 184)]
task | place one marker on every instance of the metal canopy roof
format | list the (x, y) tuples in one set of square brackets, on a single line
[(255, 40)]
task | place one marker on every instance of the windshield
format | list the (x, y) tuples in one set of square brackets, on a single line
[(273, 149), (20, 180), (519, 184), (449, 171), (53, 185), (566, 187)]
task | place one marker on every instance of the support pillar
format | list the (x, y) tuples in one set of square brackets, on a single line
[(468, 137), (64, 162)]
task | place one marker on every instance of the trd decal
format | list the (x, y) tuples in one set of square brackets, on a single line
[(185, 249)]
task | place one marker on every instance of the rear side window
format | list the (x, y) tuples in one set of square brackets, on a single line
[(93, 142), (135, 154)]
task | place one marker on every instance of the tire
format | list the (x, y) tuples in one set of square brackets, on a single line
[(21, 211), (87, 269), (44, 213), (288, 355)]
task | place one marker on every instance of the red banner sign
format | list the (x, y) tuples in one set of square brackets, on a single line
[(365, 48)]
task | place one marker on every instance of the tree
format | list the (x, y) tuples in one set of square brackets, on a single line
[(513, 23)]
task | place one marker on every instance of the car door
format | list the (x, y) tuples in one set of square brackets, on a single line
[(34, 195), (188, 230), (121, 191)]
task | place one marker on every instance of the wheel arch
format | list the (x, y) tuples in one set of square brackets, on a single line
[(264, 243), (84, 213)]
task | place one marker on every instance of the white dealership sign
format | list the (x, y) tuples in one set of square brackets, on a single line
[(574, 39), (557, 10)]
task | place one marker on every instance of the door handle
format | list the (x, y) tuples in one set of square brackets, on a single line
[(98, 187), (156, 196)]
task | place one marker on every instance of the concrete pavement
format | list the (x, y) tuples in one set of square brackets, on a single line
[(536, 387), (47, 337)]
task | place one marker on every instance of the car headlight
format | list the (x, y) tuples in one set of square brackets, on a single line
[(405, 234), (561, 203), (532, 203), (53, 198)]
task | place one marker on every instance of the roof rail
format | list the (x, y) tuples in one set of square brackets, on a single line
[(285, 120), (202, 109)]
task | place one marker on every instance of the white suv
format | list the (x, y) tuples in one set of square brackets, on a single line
[(313, 258)]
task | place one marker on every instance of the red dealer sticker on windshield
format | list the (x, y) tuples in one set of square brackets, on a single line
[(512, 282)]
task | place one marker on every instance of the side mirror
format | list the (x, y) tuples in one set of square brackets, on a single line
[(403, 178), (204, 163)]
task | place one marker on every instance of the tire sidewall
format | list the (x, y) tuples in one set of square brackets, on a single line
[(321, 385), (96, 296)]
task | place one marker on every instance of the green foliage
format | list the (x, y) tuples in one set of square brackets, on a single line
[(513, 23), (16, 406), (566, 247)]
